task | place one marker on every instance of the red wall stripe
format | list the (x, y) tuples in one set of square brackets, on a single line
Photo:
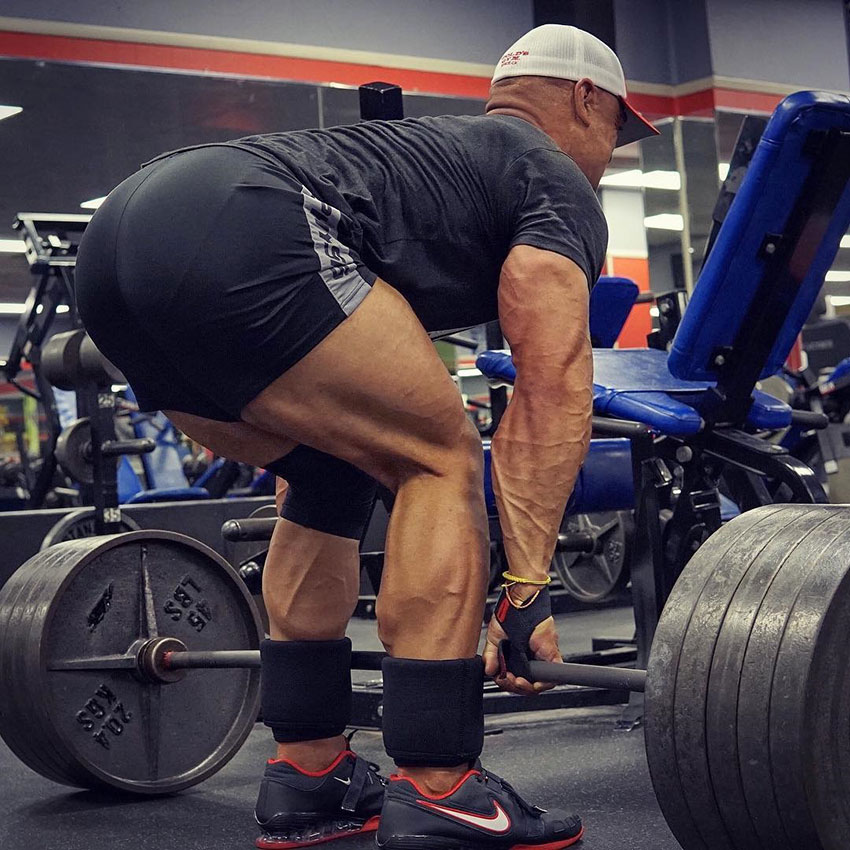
[(749, 101), (68, 49), (61, 48)]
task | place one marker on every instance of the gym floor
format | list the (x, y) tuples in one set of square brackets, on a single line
[(573, 759)]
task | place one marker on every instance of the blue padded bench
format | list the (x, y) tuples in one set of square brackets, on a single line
[(639, 387), (611, 301)]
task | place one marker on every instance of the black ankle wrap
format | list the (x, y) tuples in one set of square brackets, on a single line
[(519, 623), (433, 711), (306, 688)]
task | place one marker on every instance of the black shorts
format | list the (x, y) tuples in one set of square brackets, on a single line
[(209, 273)]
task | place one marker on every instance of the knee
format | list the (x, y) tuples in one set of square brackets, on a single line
[(458, 457)]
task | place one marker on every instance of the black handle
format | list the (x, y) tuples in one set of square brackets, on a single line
[(243, 530), (460, 341), (809, 419), (575, 541), (116, 448), (619, 428)]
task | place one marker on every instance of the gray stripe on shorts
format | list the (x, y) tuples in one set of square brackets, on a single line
[(337, 267)]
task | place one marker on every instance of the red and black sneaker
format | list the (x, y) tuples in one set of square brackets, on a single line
[(297, 808), (481, 811)]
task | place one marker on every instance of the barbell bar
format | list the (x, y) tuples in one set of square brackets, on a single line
[(568, 673)]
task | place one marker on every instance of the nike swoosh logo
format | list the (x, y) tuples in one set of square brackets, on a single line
[(343, 781), (497, 823)]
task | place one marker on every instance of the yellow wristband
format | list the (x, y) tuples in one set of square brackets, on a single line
[(519, 580)]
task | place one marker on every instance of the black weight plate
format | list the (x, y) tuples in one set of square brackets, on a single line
[(13, 725), (18, 599), (752, 722), (718, 553), (801, 706), (822, 743), (108, 727), (593, 577), (744, 822), (692, 677), (80, 523), (71, 447)]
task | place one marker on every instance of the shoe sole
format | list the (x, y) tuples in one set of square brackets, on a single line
[(272, 843), (428, 843)]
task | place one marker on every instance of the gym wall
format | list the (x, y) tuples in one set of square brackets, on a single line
[(470, 31)]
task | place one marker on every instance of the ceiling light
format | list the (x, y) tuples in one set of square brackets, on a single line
[(837, 277), (653, 311), (636, 179), (664, 221), (18, 309), (722, 170), (12, 246), (845, 241), (839, 300), (9, 111), (93, 204), (467, 373)]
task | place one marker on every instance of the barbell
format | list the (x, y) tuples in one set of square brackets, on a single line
[(132, 662)]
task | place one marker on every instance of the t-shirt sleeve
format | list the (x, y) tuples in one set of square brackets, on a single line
[(550, 204)]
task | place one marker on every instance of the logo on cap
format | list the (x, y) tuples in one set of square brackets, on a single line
[(512, 58)]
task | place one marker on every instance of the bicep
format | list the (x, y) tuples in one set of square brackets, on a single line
[(543, 311)]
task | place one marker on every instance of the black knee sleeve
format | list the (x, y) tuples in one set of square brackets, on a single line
[(306, 688), (433, 711), (325, 493)]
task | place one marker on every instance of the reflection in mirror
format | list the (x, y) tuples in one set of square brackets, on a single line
[(698, 153), (662, 210)]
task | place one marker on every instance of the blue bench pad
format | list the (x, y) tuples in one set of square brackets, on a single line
[(635, 384)]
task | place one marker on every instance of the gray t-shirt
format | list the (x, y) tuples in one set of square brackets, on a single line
[(434, 205)]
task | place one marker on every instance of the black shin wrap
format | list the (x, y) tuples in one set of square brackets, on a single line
[(433, 711), (519, 623), (325, 493), (306, 688)]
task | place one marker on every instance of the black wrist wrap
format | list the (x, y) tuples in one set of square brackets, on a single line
[(306, 688), (519, 623), (433, 711)]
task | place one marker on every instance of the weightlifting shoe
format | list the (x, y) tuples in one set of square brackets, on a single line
[(297, 808), (481, 811)]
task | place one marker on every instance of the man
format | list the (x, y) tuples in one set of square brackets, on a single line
[(274, 296)]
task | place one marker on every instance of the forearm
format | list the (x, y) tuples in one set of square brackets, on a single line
[(536, 456), (543, 437)]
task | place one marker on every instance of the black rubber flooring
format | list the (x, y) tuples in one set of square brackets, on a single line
[(573, 759)]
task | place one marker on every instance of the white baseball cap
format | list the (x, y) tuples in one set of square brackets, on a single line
[(568, 53)]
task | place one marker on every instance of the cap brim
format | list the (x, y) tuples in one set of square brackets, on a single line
[(636, 127)]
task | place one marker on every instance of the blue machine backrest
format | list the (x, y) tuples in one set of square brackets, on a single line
[(611, 301), (777, 176)]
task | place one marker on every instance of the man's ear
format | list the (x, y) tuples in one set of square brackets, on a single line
[(585, 96)]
